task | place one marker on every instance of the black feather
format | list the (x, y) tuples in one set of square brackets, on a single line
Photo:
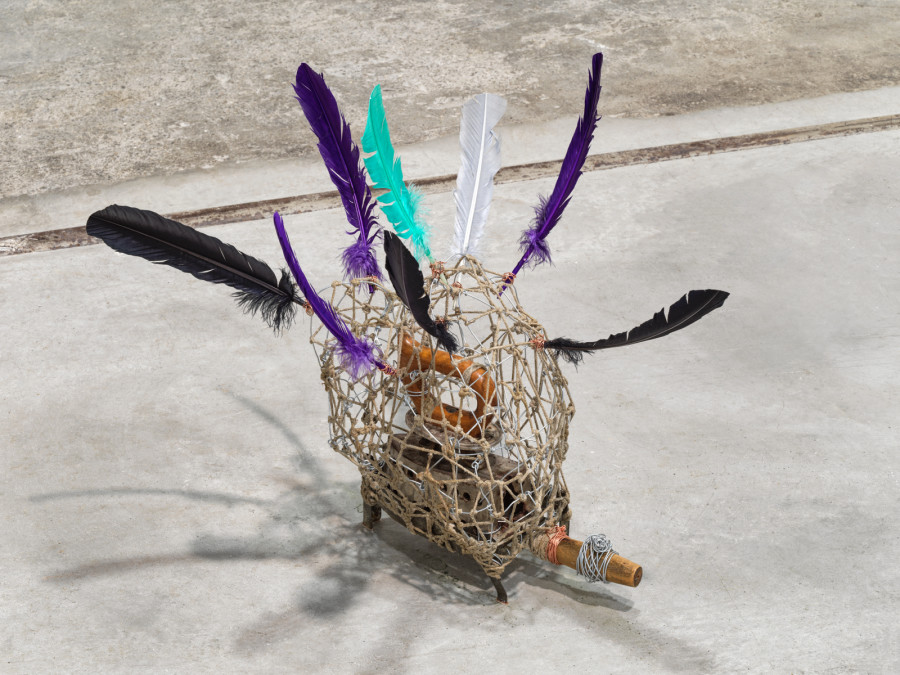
[(408, 282), (163, 241), (691, 307)]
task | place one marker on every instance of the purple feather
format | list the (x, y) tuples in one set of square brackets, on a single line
[(547, 213), (341, 157), (357, 355), (359, 260)]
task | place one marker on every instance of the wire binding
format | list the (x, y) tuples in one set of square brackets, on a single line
[(556, 536), (594, 557)]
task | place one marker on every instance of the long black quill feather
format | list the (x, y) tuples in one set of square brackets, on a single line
[(691, 307), (151, 236), (407, 280)]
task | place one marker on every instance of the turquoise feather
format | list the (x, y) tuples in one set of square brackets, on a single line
[(400, 203)]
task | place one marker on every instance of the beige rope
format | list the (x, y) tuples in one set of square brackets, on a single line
[(488, 493)]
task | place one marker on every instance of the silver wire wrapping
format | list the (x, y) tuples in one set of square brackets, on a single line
[(594, 557)]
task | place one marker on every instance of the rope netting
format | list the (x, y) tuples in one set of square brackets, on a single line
[(467, 450)]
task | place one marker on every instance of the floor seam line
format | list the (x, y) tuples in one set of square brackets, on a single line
[(50, 240)]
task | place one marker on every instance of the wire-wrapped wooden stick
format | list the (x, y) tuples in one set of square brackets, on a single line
[(593, 558)]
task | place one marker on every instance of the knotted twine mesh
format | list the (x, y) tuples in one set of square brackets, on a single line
[(484, 490)]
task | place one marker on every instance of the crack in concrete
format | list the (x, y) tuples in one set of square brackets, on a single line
[(51, 240)]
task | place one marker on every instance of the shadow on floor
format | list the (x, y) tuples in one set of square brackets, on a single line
[(296, 528)]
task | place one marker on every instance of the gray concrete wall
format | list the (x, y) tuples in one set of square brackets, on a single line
[(98, 91)]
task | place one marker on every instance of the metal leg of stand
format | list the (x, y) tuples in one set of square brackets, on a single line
[(501, 592), (371, 515)]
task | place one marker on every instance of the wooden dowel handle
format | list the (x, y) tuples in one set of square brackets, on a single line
[(414, 356), (619, 571)]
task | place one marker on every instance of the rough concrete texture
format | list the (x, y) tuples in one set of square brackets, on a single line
[(169, 502), (99, 92), (522, 144)]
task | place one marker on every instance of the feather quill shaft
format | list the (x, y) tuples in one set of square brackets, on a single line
[(407, 280), (547, 213), (341, 157), (401, 204), (356, 354), (163, 241), (691, 307), (480, 150)]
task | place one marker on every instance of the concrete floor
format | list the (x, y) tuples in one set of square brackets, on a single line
[(168, 500), (170, 503)]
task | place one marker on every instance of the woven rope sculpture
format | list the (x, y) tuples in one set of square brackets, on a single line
[(482, 490), (445, 394)]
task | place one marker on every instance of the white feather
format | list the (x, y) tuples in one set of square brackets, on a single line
[(480, 161)]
